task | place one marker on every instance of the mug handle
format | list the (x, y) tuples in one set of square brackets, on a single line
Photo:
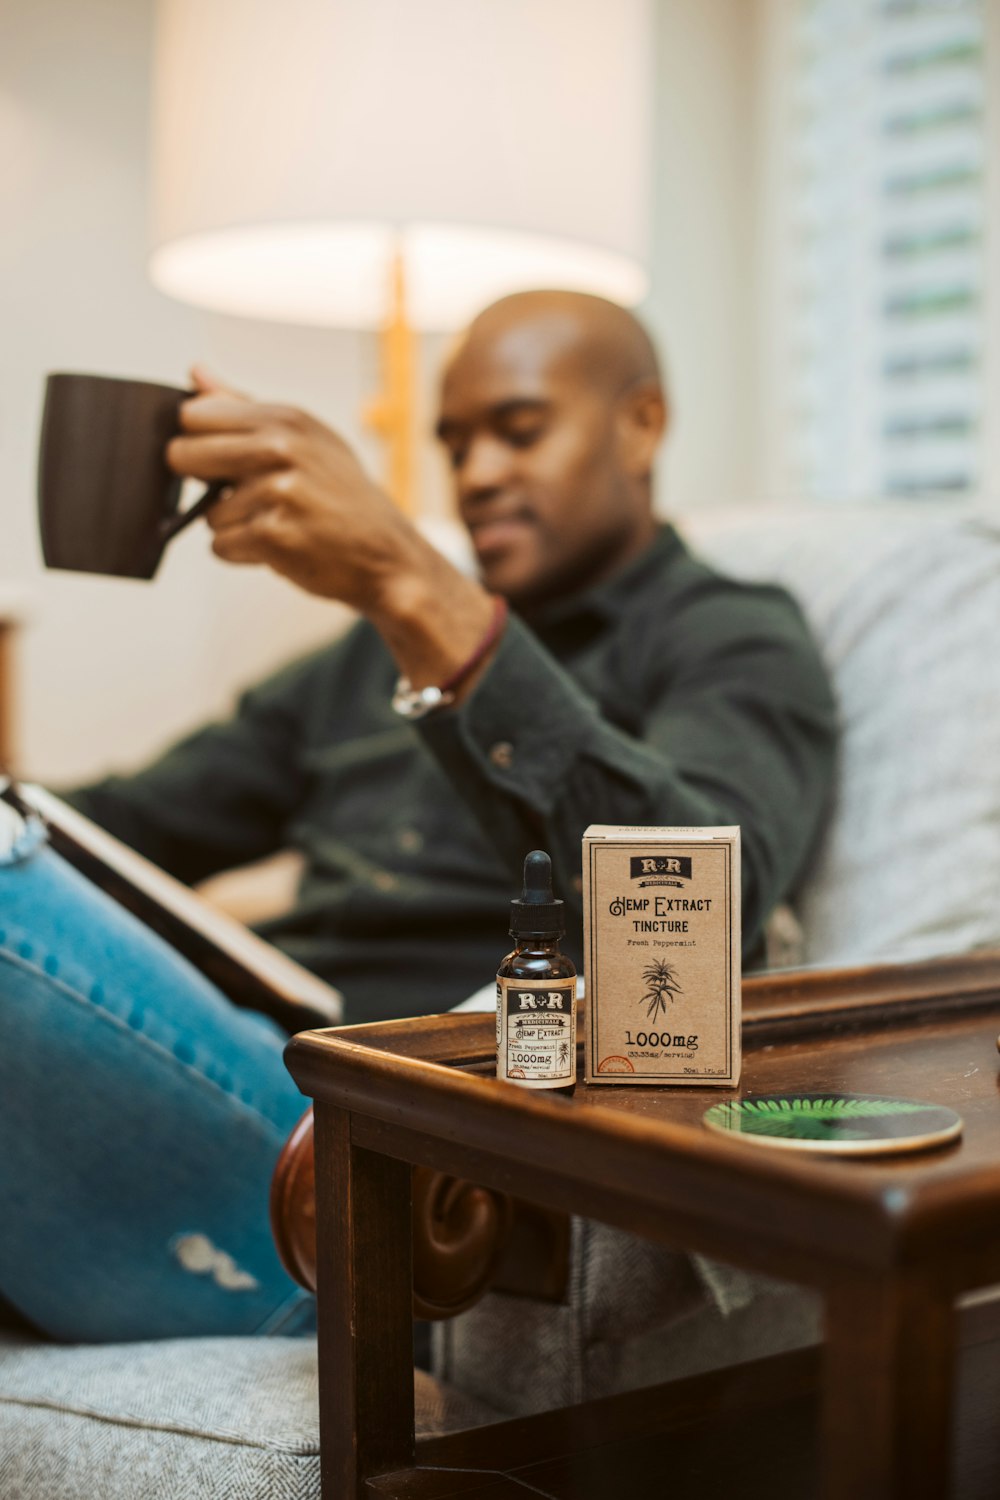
[(176, 524)]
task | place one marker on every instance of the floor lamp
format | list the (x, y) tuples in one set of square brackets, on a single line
[(398, 164)]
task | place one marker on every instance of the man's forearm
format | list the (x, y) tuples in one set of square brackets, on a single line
[(433, 619)]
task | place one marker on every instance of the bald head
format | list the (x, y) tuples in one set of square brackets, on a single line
[(552, 408), (601, 342)]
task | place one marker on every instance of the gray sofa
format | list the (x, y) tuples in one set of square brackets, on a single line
[(906, 606), (184, 1419)]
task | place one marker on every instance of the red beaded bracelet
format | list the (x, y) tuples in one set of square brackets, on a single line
[(487, 643), (413, 703)]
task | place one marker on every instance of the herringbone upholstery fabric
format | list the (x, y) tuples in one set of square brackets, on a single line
[(184, 1419), (635, 1314)]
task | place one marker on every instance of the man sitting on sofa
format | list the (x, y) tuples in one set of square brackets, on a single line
[(594, 672)]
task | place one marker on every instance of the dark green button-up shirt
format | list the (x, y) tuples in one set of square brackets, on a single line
[(670, 695)]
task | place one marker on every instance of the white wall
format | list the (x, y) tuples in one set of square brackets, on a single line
[(705, 244), (110, 670)]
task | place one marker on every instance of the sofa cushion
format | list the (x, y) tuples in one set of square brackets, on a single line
[(200, 1418), (906, 608)]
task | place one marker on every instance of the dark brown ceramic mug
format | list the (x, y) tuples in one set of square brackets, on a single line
[(107, 503)]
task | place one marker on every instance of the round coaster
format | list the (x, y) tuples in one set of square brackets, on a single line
[(848, 1124)]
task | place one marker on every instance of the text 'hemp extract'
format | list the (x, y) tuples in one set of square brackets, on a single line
[(661, 943), (536, 989)]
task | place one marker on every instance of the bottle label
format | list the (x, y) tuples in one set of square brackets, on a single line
[(536, 1032)]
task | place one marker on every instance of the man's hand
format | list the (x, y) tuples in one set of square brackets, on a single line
[(299, 501)]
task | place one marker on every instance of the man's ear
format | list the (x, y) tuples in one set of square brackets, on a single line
[(642, 419)]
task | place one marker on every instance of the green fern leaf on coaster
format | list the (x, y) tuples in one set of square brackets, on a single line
[(840, 1109), (811, 1118), (824, 1109), (805, 1127)]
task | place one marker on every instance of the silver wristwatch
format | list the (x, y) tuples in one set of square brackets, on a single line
[(415, 703)]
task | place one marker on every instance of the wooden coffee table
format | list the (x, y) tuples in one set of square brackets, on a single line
[(891, 1244)]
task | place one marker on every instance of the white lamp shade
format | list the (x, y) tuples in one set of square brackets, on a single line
[(500, 144)]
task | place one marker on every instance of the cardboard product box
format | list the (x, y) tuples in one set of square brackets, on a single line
[(662, 938)]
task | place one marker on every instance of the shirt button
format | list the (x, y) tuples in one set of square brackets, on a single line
[(502, 754), (384, 880), (410, 840)]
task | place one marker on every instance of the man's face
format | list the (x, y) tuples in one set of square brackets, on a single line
[(534, 448)]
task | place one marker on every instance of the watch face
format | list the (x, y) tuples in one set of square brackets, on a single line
[(845, 1124), (413, 703)]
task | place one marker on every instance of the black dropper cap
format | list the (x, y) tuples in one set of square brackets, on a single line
[(537, 913)]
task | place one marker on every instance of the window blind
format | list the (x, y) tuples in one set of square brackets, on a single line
[(889, 225)]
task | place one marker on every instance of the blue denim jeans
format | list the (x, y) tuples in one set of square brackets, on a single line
[(141, 1116)]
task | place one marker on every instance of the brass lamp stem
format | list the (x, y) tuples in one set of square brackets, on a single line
[(391, 413)]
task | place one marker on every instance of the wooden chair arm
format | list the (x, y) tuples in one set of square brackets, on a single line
[(460, 1232), (467, 1239)]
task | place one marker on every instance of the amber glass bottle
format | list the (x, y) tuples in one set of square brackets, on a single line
[(536, 990)]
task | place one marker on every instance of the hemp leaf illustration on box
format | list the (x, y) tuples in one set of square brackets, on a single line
[(661, 986)]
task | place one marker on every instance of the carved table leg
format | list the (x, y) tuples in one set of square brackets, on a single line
[(364, 1304), (889, 1368)]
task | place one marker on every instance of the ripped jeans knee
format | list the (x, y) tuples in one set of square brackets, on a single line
[(142, 1115)]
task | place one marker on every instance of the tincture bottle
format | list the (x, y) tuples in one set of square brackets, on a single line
[(536, 989)]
